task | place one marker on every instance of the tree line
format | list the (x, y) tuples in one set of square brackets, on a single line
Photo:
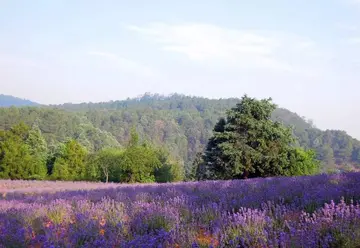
[(247, 143), (179, 124), (24, 154)]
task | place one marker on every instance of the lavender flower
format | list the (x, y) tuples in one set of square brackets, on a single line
[(317, 211)]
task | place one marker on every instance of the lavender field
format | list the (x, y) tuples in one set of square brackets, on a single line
[(317, 211)]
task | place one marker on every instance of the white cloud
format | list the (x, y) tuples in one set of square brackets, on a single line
[(244, 48), (126, 64)]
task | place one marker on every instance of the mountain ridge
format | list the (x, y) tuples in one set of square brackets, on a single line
[(9, 100)]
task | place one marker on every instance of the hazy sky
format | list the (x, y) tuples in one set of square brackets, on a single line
[(305, 54)]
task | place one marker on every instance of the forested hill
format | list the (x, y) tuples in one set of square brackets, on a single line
[(183, 124), (7, 101)]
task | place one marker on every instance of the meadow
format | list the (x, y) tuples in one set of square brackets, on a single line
[(307, 211)]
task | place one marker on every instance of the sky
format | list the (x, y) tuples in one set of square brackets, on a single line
[(304, 54)]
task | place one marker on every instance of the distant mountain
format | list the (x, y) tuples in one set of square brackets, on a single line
[(8, 101), (180, 123)]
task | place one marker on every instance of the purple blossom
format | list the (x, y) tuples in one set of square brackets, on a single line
[(317, 211)]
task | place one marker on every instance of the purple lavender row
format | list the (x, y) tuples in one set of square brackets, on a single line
[(317, 211)]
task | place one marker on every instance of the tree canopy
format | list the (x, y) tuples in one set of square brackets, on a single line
[(70, 162), (248, 143), (22, 153)]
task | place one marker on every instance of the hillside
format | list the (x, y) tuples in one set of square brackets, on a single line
[(182, 124), (8, 101)]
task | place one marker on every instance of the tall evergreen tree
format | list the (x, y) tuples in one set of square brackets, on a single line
[(171, 170), (249, 144), (38, 150), (192, 172)]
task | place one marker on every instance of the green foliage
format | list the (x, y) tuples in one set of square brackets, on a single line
[(169, 173), (170, 170), (138, 164), (105, 165), (38, 150), (134, 138), (93, 172), (95, 139), (302, 163), (183, 125), (61, 170), (25, 155), (22, 153), (192, 172), (70, 164), (249, 144)]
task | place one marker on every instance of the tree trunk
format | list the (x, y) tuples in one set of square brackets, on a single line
[(246, 174), (107, 177)]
